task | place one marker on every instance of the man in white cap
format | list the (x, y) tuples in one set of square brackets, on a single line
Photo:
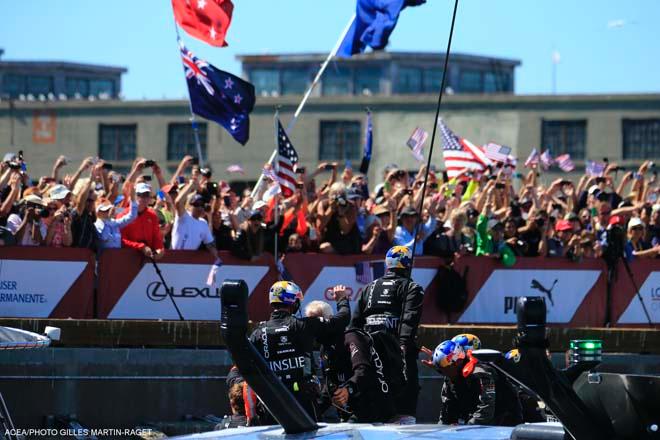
[(143, 234), (191, 229)]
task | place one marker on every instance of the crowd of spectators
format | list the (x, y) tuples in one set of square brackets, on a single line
[(499, 213)]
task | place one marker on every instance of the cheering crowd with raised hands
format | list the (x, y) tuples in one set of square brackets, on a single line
[(500, 213)]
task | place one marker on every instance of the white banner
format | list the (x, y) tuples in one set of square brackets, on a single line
[(650, 292), (33, 288), (329, 277), (146, 298), (563, 291)]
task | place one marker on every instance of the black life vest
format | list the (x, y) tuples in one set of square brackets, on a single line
[(280, 348), (383, 305)]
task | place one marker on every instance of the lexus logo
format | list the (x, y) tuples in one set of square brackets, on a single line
[(156, 292)]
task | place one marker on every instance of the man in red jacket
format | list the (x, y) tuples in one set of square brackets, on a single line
[(143, 233)]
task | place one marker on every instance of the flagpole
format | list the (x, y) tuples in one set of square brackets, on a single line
[(331, 55), (416, 229), (276, 168), (193, 121), (292, 123)]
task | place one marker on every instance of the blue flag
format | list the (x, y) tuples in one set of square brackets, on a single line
[(374, 22), (219, 96), (368, 141)]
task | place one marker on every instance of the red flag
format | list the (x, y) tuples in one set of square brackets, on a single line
[(207, 20)]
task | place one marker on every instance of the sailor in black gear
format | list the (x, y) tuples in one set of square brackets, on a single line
[(354, 374), (286, 342), (472, 393), (367, 392), (392, 305)]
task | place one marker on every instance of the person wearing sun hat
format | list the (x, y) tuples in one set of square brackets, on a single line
[(108, 229), (472, 393)]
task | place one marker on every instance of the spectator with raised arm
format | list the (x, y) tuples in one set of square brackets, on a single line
[(107, 228), (191, 230), (143, 234)]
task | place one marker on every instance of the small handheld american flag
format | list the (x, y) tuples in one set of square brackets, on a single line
[(496, 152), (546, 159), (565, 163), (416, 143), (533, 159)]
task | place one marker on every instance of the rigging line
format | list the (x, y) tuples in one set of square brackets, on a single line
[(435, 128)]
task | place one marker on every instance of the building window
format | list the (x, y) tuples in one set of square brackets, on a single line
[(641, 138), (337, 81), (432, 80), (409, 80), (340, 140), (562, 137), (102, 87), (39, 85), (13, 85), (367, 81), (266, 81), (471, 81), (294, 81), (77, 87), (117, 142), (181, 140), (497, 82)]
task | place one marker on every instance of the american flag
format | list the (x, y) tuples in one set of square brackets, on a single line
[(565, 163), (287, 158), (497, 153), (533, 159), (416, 143), (595, 169), (546, 159), (459, 153), (236, 168)]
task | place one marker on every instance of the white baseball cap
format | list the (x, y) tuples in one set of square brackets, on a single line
[(142, 188), (635, 221), (58, 192)]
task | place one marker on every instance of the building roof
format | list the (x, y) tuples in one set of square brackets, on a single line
[(60, 65), (374, 56)]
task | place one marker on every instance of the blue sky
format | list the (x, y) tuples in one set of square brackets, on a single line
[(606, 46)]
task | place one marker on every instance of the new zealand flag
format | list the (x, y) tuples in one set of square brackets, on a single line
[(219, 96)]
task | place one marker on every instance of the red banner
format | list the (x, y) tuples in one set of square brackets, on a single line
[(46, 282)]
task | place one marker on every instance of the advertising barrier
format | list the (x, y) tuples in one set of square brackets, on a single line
[(130, 288), (46, 282), (626, 307), (574, 293), (60, 283)]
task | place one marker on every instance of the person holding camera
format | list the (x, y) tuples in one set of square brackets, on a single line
[(59, 222), (27, 225), (191, 230), (108, 229), (339, 220)]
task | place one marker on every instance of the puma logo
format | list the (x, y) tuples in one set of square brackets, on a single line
[(548, 292)]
